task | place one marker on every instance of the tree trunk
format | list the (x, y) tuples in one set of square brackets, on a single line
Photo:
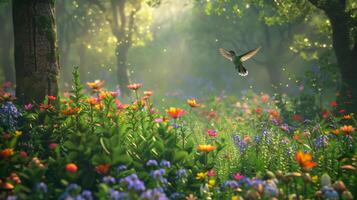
[(122, 73), (36, 51), (6, 36), (346, 58)]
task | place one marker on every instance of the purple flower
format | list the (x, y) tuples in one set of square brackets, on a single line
[(154, 194), (151, 163), (87, 195), (165, 163), (231, 184), (108, 180), (11, 198), (181, 173), (157, 174), (241, 144), (42, 187), (132, 182), (116, 195)]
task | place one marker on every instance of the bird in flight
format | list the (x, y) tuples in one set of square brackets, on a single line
[(238, 60)]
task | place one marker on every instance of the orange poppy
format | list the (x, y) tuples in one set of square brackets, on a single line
[(193, 103), (7, 152), (206, 148), (304, 160), (175, 112), (347, 129)]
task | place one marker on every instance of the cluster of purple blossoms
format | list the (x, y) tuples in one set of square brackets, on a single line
[(116, 195), (73, 192), (321, 141), (240, 143), (159, 175), (132, 182), (154, 194), (9, 115), (42, 187), (108, 180)]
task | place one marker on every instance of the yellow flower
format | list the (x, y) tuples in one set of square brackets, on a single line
[(205, 148), (201, 175), (235, 198), (211, 183), (18, 133), (314, 179)]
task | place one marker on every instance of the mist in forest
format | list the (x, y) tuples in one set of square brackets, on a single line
[(174, 49)]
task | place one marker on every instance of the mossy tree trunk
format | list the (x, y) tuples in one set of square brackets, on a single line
[(36, 51), (344, 41)]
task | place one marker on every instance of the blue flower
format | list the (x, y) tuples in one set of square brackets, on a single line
[(151, 163), (329, 193), (241, 144), (165, 163)]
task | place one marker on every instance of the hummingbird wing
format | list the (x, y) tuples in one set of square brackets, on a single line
[(242, 71), (226, 54), (249, 54)]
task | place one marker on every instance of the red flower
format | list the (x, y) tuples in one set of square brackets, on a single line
[(52, 146), (333, 103), (71, 167), (259, 110), (297, 118), (212, 132), (23, 154), (102, 169), (51, 98)]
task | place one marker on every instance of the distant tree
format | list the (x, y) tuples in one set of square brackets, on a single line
[(36, 53), (124, 23)]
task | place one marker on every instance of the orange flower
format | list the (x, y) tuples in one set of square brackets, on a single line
[(102, 169), (304, 160), (96, 85), (7, 186), (336, 131), (70, 111), (259, 110), (71, 167), (347, 117), (135, 86), (206, 148), (7, 152), (175, 112), (347, 129), (92, 101), (192, 102)]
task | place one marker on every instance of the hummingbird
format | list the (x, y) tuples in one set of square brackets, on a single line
[(238, 60)]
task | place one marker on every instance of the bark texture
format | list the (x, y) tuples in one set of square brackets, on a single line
[(36, 51)]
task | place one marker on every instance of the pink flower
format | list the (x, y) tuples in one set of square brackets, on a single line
[(52, 146), (212, 132), (211, 173), (237, 176), (28, 106), (119, 104), (158, 120)]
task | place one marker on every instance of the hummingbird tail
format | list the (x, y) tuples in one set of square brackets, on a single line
[(242, 71)]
